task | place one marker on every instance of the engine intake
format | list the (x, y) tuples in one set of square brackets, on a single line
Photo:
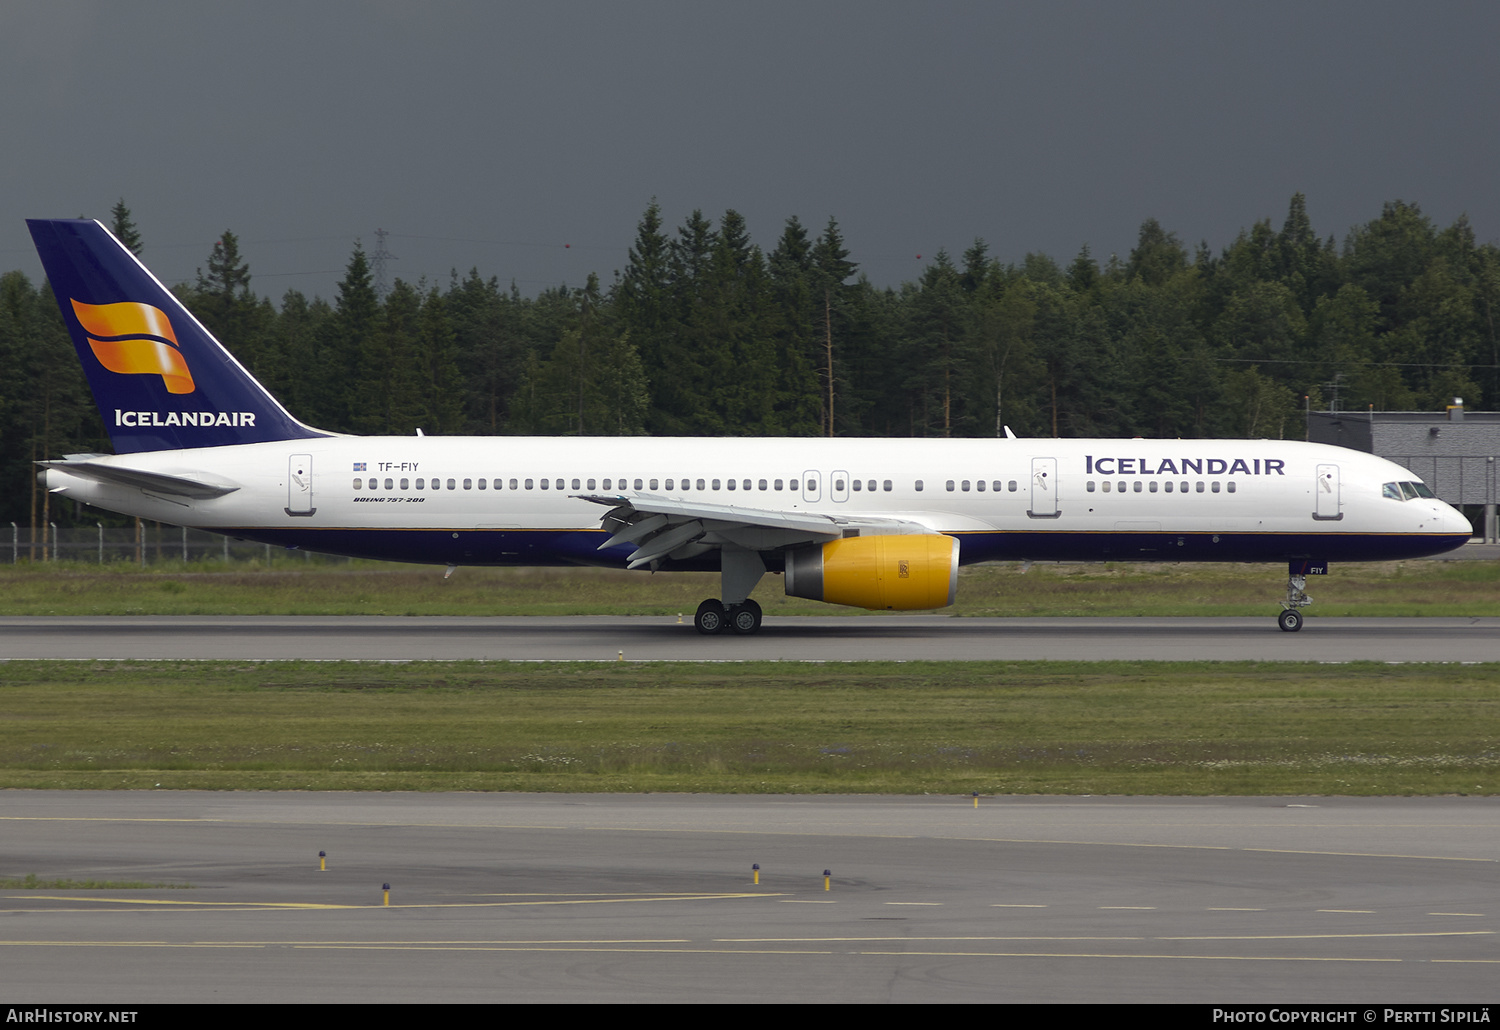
[(886, 573)]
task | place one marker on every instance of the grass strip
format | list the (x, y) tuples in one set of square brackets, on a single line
[(290, 587), (995, 727)]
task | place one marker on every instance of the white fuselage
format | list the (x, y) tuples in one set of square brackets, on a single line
[(514, 500)]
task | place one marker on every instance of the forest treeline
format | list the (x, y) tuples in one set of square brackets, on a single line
[(703, 332)]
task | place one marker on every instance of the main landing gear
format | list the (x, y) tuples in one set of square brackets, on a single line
[(741, 569), (1290, 619), (714, 616)]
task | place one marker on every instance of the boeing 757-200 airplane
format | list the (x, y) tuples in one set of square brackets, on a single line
[(879, 524)]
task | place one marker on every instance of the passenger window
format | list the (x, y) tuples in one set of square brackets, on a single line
[(1169, 486), (1137, 486), (979, 486), (358, 483), (1200, 486), (528, 483), (653, 484), (1231, 486), (421, 484), (872, 486), (965, 486), (590, 486), (701, 487), (1120, 486), (374, 484), (606, 484), (545, 484), (858, 486), (996, 487), (731, 484), (778, 484), (838, 485), (483, 483), (792, 485), (575, 484), (469, 484), (1105, 484), (950, 486), (390, 485), (887, 486), (1012, 486), (404, 484), (1089, 486), (1214, 486), (919, 486), (746, 484), (559, 484), (1153, 486), (716, 484), (1184, 486), (637, 484), (513, 485), (669, 485)]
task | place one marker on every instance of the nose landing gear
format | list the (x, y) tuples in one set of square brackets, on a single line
[(1290, 619)]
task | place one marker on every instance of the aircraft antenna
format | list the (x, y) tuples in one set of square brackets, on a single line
[(378, 260)]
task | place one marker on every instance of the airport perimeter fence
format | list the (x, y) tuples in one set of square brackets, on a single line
[(149, 543)]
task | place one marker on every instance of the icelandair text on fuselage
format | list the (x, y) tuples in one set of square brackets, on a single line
[(50, 1015), (1182, 466), (142, 419)]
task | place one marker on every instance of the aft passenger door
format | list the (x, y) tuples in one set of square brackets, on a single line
[(1043, 489), (299, 496)]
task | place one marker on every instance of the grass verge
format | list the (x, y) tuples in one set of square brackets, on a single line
[(375, 588), (993, 727)]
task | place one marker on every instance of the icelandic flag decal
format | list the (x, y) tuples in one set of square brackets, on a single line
[(359, 466)]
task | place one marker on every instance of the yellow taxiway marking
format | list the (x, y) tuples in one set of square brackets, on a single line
[(1349, 911), (1328, 936), (1235, 910), (1105, 955), (1479, 915), (1127, 908), (1003, 905), (928, 903)]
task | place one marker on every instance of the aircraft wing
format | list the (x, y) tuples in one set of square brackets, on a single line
[(661, 527), (193, 483)]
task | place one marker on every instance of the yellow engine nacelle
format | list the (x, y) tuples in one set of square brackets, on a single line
[(878, 572)]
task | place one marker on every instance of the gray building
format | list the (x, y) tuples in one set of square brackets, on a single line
[(1453, 452)]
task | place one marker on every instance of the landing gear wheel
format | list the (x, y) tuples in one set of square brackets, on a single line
[(1290, 620), (711, 617), (744, 618)]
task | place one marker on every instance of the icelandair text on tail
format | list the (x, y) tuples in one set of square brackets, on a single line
[(184, 418)]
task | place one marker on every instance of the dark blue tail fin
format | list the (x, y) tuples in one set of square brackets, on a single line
[(162, 382)]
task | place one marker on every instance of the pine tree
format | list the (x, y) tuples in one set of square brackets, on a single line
[(123, 226)]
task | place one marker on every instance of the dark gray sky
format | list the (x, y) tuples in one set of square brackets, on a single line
[(490, 134)]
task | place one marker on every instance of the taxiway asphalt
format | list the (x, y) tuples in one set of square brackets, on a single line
[(826, 639), (650, 898)]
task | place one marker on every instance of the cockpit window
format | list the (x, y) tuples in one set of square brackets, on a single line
[(1406, 491)]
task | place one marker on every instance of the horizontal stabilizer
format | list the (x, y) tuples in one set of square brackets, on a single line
[(194, 484)]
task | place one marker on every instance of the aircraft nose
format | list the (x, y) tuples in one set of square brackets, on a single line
[(1454, 521)]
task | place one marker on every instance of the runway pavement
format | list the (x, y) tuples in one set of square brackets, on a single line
[(650, 898), (829, 638)]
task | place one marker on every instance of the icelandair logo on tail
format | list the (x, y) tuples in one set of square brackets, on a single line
[(135, 339)]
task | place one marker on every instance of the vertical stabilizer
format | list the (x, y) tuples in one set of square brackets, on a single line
[(162, 382)]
